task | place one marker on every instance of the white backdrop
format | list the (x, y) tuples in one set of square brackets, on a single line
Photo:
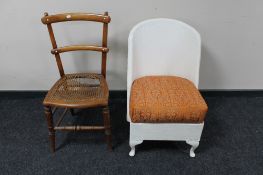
[(231, 31)]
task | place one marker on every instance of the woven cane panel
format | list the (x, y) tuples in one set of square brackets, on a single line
[(81, 90), (166, 99)]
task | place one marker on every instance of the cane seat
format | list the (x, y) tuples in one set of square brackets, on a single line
[(79, 90)]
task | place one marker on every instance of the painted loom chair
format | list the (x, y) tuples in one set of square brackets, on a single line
[(163, 99), (78, 90)]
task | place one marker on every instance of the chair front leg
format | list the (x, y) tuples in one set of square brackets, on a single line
[(51, 130), (194, 145), (133, 143), (107, 125)]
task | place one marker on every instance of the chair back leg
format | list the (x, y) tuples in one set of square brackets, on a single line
[(72, 112)]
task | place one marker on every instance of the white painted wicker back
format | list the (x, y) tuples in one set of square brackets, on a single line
[(163, 47)]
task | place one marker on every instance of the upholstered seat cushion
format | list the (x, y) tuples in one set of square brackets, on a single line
[(166, 99)]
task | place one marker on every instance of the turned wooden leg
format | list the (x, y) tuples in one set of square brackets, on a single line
[(51, 130), (133, 143), (194, 145), (106, 116)]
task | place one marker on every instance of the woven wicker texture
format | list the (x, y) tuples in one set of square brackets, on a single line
[(161, 99), (78, 90)]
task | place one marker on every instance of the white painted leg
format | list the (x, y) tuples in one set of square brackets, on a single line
[(132, 145), (194, 145)]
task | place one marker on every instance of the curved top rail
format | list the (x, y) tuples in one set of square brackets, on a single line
[(48, 19)]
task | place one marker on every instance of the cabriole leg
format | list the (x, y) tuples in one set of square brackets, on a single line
[(194, 145), (133, 143)]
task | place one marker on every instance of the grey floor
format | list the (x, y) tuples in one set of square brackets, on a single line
[(232, 142)]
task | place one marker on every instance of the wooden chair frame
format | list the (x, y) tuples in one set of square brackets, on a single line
[(50, 110)]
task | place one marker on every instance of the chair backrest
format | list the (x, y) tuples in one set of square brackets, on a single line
[(105, 19), (163, 47)]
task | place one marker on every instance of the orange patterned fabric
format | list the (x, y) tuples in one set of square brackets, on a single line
[(166, 99)]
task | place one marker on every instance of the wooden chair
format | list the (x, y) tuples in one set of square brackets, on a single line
[(163, 101), (78, 90)]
